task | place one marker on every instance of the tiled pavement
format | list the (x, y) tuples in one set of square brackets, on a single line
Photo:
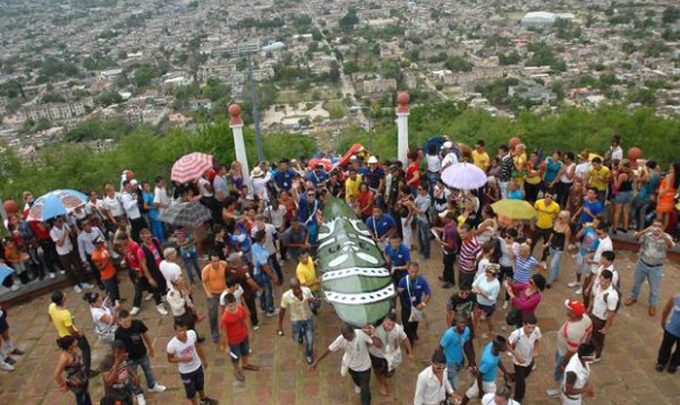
[(625, 376)]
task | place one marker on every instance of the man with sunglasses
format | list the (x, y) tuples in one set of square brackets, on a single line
[(433, 387)]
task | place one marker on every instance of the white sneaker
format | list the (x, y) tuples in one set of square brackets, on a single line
[(505, 305), (553, 392), (157, 388), (62, 272), (148, 297), (140, 399), (52, 275), (86, 285), (134, 311), (6, 366), (161, 310), (256, 327), (579, 291), (77, 289), (14, 287), (357, 389), (573, 284)]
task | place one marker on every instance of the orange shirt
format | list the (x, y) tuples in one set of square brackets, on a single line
[(100, 257), (214, 280)]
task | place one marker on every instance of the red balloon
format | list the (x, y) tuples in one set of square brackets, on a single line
[(514, 141), (11, 206), (634, 153)]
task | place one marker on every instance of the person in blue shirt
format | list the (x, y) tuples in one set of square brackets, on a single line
[(670, 319), (308, 208), (414, 293), (283, 178), (374, 175), (263, 273), (381, 225), (318, 176), (485, 374), (239, 238), (398, 257), (591, 207), (456, 341)]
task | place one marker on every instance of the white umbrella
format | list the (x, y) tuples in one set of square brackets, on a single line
[(464, 176)]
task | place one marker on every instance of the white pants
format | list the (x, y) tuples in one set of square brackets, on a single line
[(487, 387)]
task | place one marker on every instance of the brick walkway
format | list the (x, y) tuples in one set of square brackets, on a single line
[(625, 376)]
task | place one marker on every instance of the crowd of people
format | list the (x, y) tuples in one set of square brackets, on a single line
[(262, 221)]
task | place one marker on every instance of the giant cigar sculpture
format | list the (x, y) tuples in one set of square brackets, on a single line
[(354, 274)]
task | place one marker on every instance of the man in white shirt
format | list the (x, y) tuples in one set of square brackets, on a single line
[(604, 245), (356, 360), (168, 267), (219, 183), (160, 195), (524, 342), (276, 213), (433, 386), (449, 154), (602, 309), (88, 234), (386, 350), (500, 397), (185, 350), (131, 205), (61, 236)]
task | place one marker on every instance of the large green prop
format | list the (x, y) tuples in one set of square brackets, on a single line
[(354, 274)]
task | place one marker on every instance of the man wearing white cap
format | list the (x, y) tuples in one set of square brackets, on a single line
[(374, 175), (260, 180), (449, 153)]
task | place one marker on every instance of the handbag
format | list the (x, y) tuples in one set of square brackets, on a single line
[(514, 317), (416, 314)]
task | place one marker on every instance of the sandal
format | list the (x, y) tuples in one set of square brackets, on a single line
[(251, 367)]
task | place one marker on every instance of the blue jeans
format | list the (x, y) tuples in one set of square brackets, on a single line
[(190, 258), (111, 287), (266, 297), (423, 229), (157, 229), (452, 371), (556, 256), (653, 275), (145, 363), (305, 327), (558, 375)]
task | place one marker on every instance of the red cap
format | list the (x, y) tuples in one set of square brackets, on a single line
[(576, 307)]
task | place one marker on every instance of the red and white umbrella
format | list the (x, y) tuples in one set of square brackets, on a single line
[(191, 167)]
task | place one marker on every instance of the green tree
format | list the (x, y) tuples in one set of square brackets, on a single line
[(458, 64)]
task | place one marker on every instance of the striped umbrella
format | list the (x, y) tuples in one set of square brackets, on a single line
[(189, 214), (191, 167), (55, 203)]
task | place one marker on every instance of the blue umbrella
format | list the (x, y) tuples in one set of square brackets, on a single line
[(5, 271), (56, 203)]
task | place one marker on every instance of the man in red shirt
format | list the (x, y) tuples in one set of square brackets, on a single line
[(142, 281), (413, 172), (235, 336)]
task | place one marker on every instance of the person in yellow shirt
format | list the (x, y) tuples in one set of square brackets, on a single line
[(546, 211), (352, 186), (519, 161), (214, 281), (306, 275), (63, 323), (479, 156), (598, 177)]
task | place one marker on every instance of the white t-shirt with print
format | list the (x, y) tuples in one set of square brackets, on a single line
[(524, 345), (179, 349), (56, 234), (391, 340)]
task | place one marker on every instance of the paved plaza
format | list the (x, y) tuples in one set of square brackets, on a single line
[(625, 376)]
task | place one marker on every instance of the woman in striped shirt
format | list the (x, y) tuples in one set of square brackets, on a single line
[(525, 263)]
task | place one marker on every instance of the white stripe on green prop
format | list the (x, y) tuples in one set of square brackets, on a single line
[(362, 298), (355, 271)]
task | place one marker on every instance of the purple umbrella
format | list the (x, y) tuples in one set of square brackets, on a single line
[(464, 176)]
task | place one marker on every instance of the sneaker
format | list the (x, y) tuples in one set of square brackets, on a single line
[(573, 284), (17, 352), (6, 366), (552, 393), (256, 327), (77, 289), (52, 275), (161, 310), (209, 401), (157, 388), (579, 291), (140, 399), (86, 285), (62, 272), (238, 374), (357, 389), (134, 311), (148, 297), (659, 368), (15, 287), (309, 360), (506, 305), (10, 361), (596, 360)]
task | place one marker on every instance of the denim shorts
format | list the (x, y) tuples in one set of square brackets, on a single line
[(623, 197), (238, 350)]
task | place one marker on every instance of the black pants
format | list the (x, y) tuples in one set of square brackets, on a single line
[(449, 275), (252, 308), (536, 235), (362, 379), (465, 279), (521, 374), (141, 285), (562, 191), (531, 191), (73, 267), (84, 347), (410, 328), (506, 272), (665, 350), (49, 255), (597, 338), (95, 271), (137, 225), (277, 268)]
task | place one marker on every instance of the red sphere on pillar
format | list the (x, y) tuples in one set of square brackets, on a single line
[(11, 206), (634, 153), (403, 99), (235, 113), (514, 141)]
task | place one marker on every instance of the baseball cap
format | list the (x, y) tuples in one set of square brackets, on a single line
[(372, 160), (575, 306), (448, 145)]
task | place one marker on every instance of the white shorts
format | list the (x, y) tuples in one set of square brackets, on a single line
[(487, 387), (568, 401)]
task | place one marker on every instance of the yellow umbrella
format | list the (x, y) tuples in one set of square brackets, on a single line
[(514, 209)]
